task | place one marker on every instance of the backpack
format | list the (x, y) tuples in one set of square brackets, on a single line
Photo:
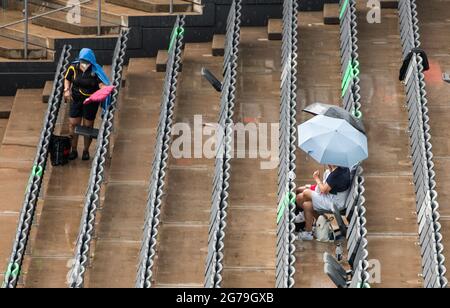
[(324, 231), (60, 150)]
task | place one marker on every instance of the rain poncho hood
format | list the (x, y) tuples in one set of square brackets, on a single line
[(88, 55)]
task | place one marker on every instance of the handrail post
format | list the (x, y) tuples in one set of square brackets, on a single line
[(171, 7), (25, 39), (99, 18)]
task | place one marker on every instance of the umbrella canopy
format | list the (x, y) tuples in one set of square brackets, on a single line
[(333, 141), (335, 112)]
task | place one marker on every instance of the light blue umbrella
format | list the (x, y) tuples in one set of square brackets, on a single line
[(333, 141)]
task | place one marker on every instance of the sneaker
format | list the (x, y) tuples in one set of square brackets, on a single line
[(86, 156), (73, 155), (306, 236), (300, 218)]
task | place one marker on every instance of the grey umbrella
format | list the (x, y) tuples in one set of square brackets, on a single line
[(337, 113)]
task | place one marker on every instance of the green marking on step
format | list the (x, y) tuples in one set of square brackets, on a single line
[(12, 271), (343, 8), (8, 272), (364, 285), (346, 85), (175, 33), (37, 171), (348, 74), (351, 72), (288, 199), (15, 271), (172, 38), (180, 31)]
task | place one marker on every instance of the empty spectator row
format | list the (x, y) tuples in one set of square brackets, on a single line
[(222, 174), (421, 149)]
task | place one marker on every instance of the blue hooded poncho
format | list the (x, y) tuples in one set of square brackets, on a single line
[(88, 55)]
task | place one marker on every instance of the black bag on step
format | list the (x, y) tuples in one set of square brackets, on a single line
[(60, 150)]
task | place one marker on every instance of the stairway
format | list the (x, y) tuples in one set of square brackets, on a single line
[(46, 30), (17, 152), (119, 231), (14, 50), (5, 111)]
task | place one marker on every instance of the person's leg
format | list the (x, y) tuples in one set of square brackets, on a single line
[(300, 190), (304, 197), (309, 216), (73, 122), (87, 140), (307, 195), (75, 114), (307, 235), (301, 200), (89, 115)]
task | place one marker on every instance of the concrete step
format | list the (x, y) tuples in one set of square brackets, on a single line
[(26, 115), (124, 76), (3, 124), (275, 29), (88, 9), (87, 25), (6, 103), (331, 14), (38, 35), (128, 178), (161, 60), (47, 91), (218, 45), (14, 49), (17, 152), (389, 4), (154, 6)]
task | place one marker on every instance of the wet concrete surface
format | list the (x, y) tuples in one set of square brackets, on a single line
[(3, 124), (51, 249), (17, 152), (121, 218), (250, 238), (183, 232), (390, 199), (434, 17)]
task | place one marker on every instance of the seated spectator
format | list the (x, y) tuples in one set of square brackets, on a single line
[(333, 189)]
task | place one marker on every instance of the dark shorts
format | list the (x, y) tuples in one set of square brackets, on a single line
[(88, 112)]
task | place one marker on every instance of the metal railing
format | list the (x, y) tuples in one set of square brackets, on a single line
[(27, 18), (160, 160), (37, 174), (357, 233), (92, 201), (349, 57), (421, 152), (221, 183), (285, 268)]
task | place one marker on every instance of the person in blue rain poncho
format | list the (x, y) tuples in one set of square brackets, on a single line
[(83, 78)]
